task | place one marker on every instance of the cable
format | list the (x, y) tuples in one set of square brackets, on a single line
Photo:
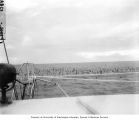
[(64, 92), (6, 52)]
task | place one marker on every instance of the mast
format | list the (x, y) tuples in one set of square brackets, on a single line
[(3, 27)]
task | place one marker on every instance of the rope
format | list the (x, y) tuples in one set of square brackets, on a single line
[(6, 52), (64, 92), (58, 85)]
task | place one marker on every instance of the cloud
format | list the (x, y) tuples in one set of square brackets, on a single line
[(27, 41), (9, 47), (20, 5), (134, 54)]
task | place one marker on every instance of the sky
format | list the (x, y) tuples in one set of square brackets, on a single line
[(64, 31)]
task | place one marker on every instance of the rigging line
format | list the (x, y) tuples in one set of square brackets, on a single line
[(19, 69), (6, 52), (27, 66), (64, 92)]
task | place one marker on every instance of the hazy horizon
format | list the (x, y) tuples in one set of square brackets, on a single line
[(74, 62), (71, 31)]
